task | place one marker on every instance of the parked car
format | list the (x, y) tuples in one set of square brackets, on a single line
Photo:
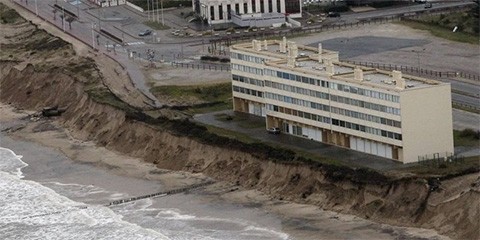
[(428, 5), (334, 14), (273, 130), (145, 32)]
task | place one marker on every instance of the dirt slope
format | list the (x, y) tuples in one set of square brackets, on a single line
[(451, 210)]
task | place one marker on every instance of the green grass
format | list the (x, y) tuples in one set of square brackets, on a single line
[(156, 25), (104, 96), (467, 165), (466, 138), (8, 15), (443, 32), (218, 106), (241, 120), (231, 134), (207, 93), (200, 98)]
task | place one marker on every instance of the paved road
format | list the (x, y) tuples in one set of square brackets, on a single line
[(86, 29), (398, 11), (125, 24)]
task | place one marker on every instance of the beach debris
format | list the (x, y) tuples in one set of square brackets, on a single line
[(14, 128), (52, 111)]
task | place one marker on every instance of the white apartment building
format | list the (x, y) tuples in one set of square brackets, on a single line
[(259, 13), (308, 92)]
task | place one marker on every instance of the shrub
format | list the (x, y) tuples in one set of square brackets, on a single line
[(470, 133)]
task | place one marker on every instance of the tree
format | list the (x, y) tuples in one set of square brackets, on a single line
[(54, 14)]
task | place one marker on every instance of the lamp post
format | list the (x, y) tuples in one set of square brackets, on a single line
[(148, 10), (36, 8), (63, 17), (418, 56), (93, 35), (161, 6), (157, 12)]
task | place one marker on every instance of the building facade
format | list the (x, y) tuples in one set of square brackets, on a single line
[(259, 13), (308, 92), (108, 3)]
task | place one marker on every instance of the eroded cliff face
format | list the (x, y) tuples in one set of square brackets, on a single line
[(403, 201), (53, 75)]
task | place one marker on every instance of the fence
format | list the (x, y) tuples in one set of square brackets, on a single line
[(436, 160), (416, 70), (210, 67), (271, 33)]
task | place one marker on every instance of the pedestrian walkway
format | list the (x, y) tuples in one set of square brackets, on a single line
[(84, 33)]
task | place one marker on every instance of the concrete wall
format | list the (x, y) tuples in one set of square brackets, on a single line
[(135, 7), (426, 122)]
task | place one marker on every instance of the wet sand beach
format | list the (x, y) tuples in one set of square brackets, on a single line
[(94, 175)]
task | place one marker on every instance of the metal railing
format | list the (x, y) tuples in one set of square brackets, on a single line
[(209, 67), (416, 70)]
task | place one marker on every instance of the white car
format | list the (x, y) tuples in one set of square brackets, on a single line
[(273, 130)]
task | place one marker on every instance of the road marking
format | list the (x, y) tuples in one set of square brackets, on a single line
[(134, 43)]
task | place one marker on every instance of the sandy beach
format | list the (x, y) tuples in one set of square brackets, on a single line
[(70, 166)]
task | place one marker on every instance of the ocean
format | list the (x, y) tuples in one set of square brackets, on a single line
[(46, 195), (55, 210)]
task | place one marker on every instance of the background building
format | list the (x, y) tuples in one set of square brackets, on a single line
[(108, 3), (308, 92), (258, 13)]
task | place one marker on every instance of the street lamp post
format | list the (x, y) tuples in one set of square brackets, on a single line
[(63, 17), (148, 10), (161, 6), (418, 56), (157, 19), (36, 8), (93, 35)]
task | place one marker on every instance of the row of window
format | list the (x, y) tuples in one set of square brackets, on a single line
[(335, 86), (248, 80), (366, 117), (247, 58), (248, 69), (248, 91), (336, 122), (335, 98), (336, 110)]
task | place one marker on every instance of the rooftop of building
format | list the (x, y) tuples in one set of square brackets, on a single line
[(307, 60)]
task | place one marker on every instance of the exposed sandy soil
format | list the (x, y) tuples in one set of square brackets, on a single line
[(96, 126)]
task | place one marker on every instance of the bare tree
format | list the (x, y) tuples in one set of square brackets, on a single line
[(54, 14)]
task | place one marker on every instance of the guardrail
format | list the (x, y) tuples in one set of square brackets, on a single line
[(416, 70), (65, 10), (202, 66), (242, 36)]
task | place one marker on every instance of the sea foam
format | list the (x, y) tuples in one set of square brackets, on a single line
[(29, 210)]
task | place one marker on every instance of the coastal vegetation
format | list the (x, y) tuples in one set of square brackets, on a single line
[(95, 112), (196, 98), (466, 25)]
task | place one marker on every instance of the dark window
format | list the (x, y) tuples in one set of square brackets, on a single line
[(220, 10)]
